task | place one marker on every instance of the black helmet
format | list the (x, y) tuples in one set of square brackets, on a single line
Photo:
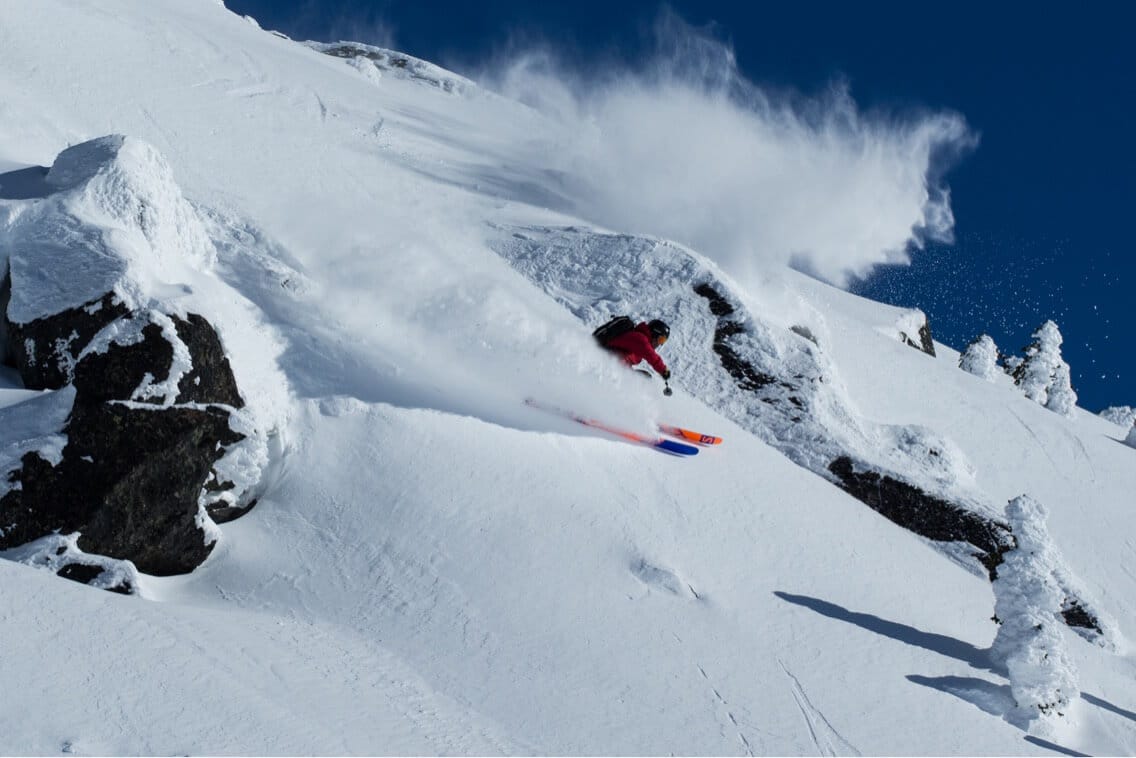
[(659, 329)]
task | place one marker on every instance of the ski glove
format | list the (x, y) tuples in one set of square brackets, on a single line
[(666, 374)]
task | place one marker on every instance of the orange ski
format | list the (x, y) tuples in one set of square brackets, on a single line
[(686, 434)]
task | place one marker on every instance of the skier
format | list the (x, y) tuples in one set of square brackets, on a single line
[(640, 344)]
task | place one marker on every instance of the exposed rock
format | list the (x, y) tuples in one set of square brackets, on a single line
[(44, 351), (804, 331), (388, 60), (1078, 617), (5, 297), (211, 379), (129, 482), (90, 573), (745, 374), (117, 372), (914, 324), (926, 515)]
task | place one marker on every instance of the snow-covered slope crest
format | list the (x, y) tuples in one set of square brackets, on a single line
[(372, 62), (112, 219)]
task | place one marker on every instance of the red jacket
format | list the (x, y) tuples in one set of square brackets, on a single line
[(635, 346)]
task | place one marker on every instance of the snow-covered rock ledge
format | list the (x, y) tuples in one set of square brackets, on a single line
[(96, 306)]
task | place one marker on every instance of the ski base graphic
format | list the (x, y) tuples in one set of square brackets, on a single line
[(690, 436)]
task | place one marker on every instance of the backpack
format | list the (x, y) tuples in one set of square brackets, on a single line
[(607, 332)]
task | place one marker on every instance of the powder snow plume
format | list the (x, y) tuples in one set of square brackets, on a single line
[(685, 147)]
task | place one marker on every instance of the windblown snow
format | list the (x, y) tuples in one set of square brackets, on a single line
[(395, 259)]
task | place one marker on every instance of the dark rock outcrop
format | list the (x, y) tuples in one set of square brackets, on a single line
[(44, 351), (926, 344), (135, 465), (89, 573), (129, 482), (5, 298), (211, 378), (926, 515), (768, 387)]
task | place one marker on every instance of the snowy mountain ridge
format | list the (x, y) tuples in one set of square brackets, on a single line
[(431, 567)]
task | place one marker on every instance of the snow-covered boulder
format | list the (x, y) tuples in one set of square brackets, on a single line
[(981, 358), (1027, 600), (95, 268)]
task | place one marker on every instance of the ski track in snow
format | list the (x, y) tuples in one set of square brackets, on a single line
[(824, 736), (1033, 435)]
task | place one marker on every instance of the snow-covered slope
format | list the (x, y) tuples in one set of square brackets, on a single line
[(434, 567)]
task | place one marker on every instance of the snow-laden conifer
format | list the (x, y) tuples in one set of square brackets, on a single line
[(981, 358), (1043, 374), (1121, 415), (1062, 397), (1027, 598)]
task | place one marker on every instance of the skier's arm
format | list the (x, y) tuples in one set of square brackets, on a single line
[(654, 359)]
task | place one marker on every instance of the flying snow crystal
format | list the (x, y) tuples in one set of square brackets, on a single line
[(1043, 375), (686, 148), (1026, 600), (981, 358)]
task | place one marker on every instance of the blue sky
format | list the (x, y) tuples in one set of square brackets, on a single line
[(1041, 204)]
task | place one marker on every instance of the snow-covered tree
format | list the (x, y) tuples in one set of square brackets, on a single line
[(981, 358), (1121, 415), (1132, 436), (1027, 599), (1062, 397), (1044, 375)]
